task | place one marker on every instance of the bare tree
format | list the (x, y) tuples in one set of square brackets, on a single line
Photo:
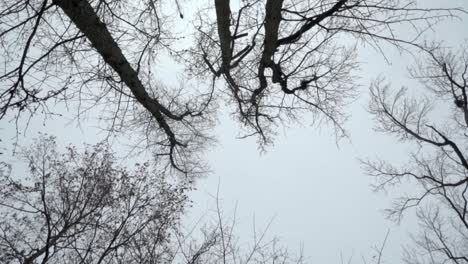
[(439, 167), (218, 242), (101, 53), (281, 59), (77, 207), (81, 207)]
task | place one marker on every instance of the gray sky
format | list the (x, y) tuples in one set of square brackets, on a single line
[(314, 188)]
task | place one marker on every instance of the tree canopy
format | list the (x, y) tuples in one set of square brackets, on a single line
[(273, 63), (278, 60)]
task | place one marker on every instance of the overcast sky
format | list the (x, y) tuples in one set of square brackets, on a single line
[(313, 187), (315, 190)]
